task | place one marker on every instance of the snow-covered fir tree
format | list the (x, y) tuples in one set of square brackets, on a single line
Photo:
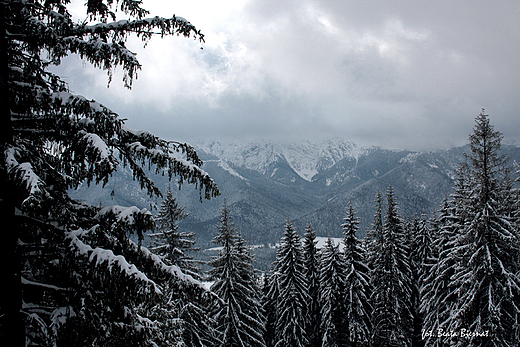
[(374, 236), (421, 247), (238, 311), (390, 279), (357, 284), (173, 246), (436, 299), (485, 252), (271, 294), (419, 242), (291, 324), (312, 275), (334, 324), (67, 261), (122, 293), (253, 309)]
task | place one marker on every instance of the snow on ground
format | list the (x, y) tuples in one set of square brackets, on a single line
[(322, 240), (319, 245)]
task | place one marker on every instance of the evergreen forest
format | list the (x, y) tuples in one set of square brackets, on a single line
[(74, 274)]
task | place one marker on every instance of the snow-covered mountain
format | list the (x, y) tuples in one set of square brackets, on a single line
[(306, 158), (266, 183)]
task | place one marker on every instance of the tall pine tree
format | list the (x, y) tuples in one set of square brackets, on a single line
[(485, 280), (334, 324), (174, 247), (374, 236), (312, 275), (357, 284), (291, 324), (238, 312), (436, 299), (254, 314), (391, 278)]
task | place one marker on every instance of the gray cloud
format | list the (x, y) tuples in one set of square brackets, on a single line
[(392, 73)]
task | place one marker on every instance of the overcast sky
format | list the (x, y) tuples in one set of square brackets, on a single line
[(400, 74)]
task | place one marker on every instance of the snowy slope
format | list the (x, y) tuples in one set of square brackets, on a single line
[(257, 156), (310, 158)]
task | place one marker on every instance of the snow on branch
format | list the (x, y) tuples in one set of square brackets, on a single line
[(95, 131), (80, 105), (100, 256), (122, 220), (125, 215), (145, 27), (147, 147), (44, 285), (173, 270), (25, 174), (105, 55), (96, 145)]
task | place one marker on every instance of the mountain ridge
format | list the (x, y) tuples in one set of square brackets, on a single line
[(265, 183), (306, 158)]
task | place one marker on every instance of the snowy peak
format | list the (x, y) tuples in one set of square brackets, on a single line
[(310, 158), (251, 155), (306, 158)]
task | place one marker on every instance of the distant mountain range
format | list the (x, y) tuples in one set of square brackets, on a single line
[(264, 184)]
